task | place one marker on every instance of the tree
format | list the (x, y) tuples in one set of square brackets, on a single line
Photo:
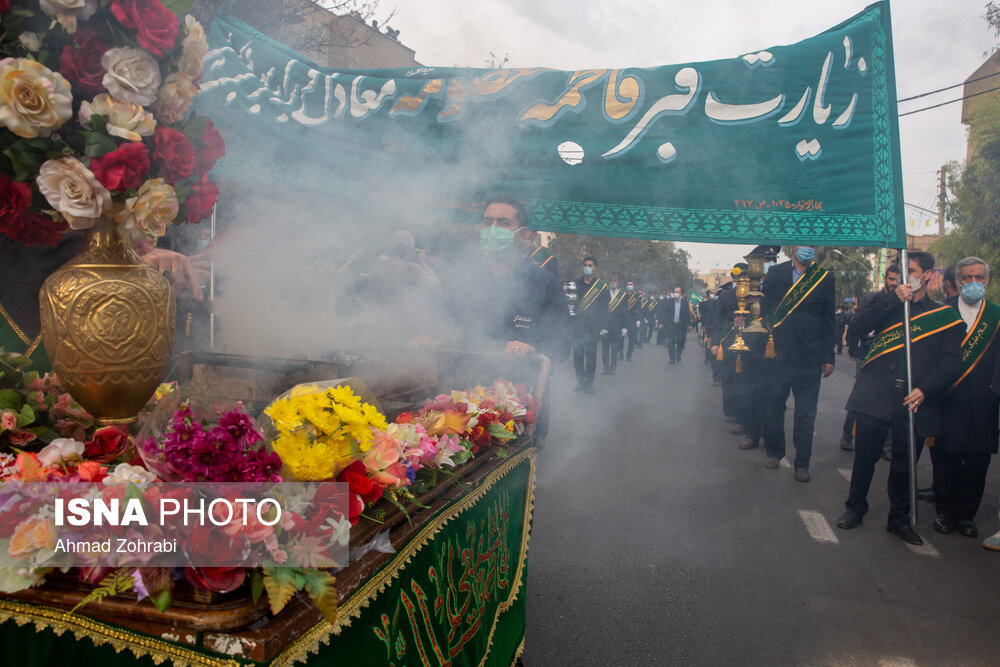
[(849, 266), (652, 265)]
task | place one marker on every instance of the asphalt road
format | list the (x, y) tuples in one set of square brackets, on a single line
[(657, 542)]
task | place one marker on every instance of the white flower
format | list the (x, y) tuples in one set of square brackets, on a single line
[(80, 9), (125, 120), (30, 40), (124, 473), (153, 208), (175, 97), (34, 100), (132, 75), (194, 47), (340, 531), (73, 190), (59, 450)]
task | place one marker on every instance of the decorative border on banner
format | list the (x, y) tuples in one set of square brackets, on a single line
[(99, 633), (704, 225), (320, 633)]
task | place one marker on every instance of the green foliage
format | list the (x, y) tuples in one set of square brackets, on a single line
[(653, 265), (281, 583), (119, 581)]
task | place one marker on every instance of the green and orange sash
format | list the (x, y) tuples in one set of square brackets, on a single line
[(921, 326), (540, 256), (798, 292), (651, 306), (632, 300), (978, 340), (588, 299), (616, 301)]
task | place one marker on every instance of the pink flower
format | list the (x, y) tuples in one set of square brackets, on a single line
[(8, 420)]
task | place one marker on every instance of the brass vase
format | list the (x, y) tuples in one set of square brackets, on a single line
[(108, 325)]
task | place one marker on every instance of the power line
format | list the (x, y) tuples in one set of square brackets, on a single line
[(941, 90), (958, 99)]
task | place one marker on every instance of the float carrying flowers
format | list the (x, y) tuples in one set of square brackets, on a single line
[(95, 104)]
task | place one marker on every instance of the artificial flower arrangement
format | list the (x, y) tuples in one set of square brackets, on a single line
[(95, 100), (318, 432)]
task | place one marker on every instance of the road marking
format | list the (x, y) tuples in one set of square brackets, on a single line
[(818, 527), (925, 549), (784, 463), (845, 473), (896, 661)]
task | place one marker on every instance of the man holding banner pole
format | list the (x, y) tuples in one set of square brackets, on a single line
[(899, 388)]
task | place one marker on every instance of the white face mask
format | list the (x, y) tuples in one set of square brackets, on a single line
[(914, 282)]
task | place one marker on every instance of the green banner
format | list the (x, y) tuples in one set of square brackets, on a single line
[(780, 145)]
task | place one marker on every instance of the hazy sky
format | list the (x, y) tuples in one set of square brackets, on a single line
[(937, 43)]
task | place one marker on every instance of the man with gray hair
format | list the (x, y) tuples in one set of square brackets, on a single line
[(969, 417)]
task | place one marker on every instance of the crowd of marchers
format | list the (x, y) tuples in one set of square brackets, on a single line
[(952, 391)]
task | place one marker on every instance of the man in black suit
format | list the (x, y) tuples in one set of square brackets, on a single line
[(880, 399), (633, 317), (969, 424), (798, 304), (590, 319), (676, 318), (614, 328)]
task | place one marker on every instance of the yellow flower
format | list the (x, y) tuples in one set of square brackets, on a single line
[(373, 416), (34, 100), (284, 415), (153, 208), (509, 426), (321, 416), (306, 461), (344, 396), (164, 389)]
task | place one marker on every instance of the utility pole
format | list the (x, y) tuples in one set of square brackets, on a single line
[(942, 197)]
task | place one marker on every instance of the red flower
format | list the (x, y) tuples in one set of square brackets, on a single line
[(156, 25), (356, 477), (216, 579), (123, 168), (107, 444), (33, 228), (80, 62), (201, 200), (211, 148), (91, 471), (15, 197), (174, 154), (404, 418)]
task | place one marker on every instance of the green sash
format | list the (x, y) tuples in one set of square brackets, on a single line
[(726, 331), (802, 288), (921, 326), (978, 340), (592, 294), (617, 301), (632, 300), (540, 256), (652, 304), (642, 304)]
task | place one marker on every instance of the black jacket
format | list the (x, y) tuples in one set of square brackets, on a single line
[(665, 313), (969, 412), (806, 338), (936, 360), (588, 324)]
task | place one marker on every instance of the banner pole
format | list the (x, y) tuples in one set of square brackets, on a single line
[(911, 437)]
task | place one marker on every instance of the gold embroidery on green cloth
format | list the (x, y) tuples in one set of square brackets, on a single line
[(59, 621), (591, 295), (617, 301), (978, 340), (320, 633), (797, 293), (921, 326)]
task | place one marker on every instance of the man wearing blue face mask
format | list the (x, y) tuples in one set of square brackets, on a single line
[(798, 306), (961, 454)]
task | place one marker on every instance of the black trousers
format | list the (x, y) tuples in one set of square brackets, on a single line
[(959, 481), (585, 360), (869, 438), (633, 339), (847, 434), (611, 343), (748, 388), (730, 407), (803, 384), (676, 336)]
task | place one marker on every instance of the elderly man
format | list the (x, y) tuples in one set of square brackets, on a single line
[(961, 454), (880, 397)]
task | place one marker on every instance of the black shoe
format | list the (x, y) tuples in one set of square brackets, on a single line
[(672, 361), (906, 533), (847, 445), (944, 524), (850, 519), (605, 372), (968, 528), (589, 389), (926, 494)]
